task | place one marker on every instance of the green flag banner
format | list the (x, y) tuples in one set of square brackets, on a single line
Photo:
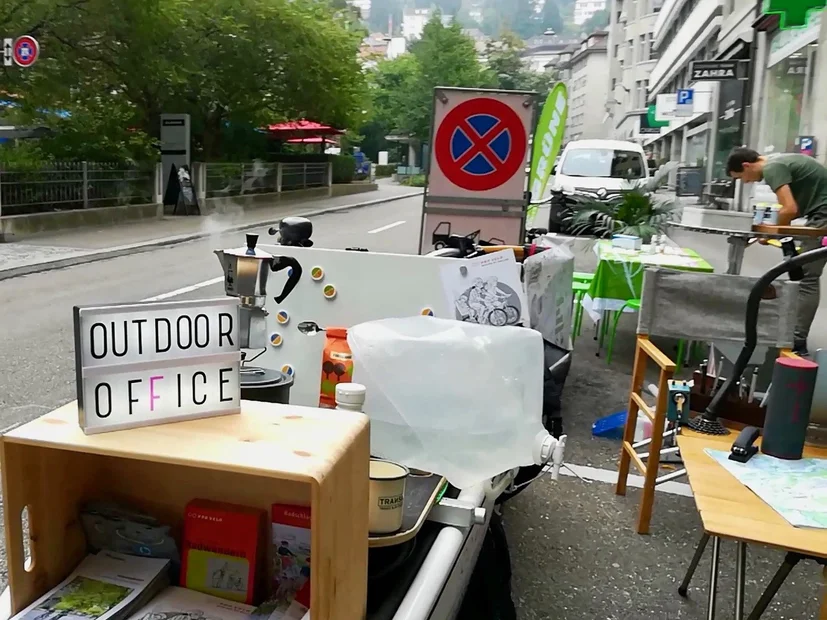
[(547, 142)]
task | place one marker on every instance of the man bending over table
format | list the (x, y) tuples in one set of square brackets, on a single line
[(800, 183)]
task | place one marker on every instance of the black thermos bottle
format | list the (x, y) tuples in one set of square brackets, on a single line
[(788, 410)]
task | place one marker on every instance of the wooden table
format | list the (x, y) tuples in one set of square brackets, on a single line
[(739, 240), (730, 510)]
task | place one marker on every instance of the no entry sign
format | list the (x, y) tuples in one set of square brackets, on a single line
[(479, 144), (25, 51)]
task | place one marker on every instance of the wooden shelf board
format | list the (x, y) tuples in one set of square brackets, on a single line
[(281, 441)]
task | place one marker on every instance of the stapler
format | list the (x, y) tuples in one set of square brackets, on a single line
[(744, 447)]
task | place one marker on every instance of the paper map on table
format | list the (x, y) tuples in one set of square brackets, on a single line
[(797, 490)]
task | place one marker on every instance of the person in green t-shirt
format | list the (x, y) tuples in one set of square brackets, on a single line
[(800, 183)]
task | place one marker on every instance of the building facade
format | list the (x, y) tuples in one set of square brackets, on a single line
[(632, 57), (584, 68)]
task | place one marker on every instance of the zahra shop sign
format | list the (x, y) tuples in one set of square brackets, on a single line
[(152, 363), (717, 70)]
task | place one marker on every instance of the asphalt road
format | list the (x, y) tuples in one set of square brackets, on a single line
[(574, 553)]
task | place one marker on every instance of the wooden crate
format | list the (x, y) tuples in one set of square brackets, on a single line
[(267, 454)]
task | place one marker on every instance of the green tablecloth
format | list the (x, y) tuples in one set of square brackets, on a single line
[(619, 275)]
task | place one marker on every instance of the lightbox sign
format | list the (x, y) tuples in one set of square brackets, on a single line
[(153, 363), (793, 13)]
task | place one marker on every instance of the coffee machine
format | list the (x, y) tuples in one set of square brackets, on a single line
[(245, 276)]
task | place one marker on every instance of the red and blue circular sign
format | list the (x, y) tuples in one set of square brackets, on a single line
[(25, 51), (481, 144)]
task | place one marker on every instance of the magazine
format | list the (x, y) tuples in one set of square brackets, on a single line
[(181, 604), (105, 586), (280, 610), (290, 539)]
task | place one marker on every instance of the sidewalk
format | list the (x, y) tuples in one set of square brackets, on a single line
[(69, 248)]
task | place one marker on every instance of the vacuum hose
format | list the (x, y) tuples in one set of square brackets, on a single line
[(708, 422)]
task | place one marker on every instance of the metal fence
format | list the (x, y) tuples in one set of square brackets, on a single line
[(74, 185), (262, 178), (83, 185)]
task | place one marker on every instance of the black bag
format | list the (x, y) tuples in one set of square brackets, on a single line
[(489, 591)]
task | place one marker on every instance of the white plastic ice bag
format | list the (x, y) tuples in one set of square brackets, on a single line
[(458, 399)]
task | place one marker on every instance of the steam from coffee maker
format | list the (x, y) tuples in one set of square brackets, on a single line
[(246, 271)]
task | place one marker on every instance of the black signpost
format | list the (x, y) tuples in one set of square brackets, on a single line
[(180, 191)]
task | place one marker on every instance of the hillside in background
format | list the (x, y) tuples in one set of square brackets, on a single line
[(528, 18)]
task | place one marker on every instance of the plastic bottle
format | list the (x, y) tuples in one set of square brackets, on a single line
[(350, 396), (337, 365)]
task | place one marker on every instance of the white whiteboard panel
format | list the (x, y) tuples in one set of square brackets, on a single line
[(369, 286)]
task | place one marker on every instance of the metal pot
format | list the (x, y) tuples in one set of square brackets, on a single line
[(265, 386)]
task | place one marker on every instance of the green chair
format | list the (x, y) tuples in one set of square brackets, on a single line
[(579, 288), (634, 304), (579, 276)]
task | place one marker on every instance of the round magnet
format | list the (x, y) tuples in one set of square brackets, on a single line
[(329, 291), (288, 370), (276, 340), (283, 317), (427, 312), (317, 274)]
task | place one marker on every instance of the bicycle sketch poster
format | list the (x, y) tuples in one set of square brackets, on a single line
[(486, 290)]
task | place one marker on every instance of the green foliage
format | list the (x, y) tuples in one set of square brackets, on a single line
[(640, 212), (403, 88), (344, 168), (116, 65), (417, 180), (552, 17), (385, 171), (598, 21), (22, 158), (507, 70)]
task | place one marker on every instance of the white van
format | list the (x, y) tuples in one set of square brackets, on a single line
[(610, 165)]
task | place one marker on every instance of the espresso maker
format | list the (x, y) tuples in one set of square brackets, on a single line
[(245, 276)]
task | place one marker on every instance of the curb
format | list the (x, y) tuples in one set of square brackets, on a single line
[(146, 246)]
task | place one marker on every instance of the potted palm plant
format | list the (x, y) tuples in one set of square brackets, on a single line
[(640, 212)]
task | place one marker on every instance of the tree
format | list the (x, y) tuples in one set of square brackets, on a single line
[(381, 13), (116, 65), (598, 21), (508, 71), (552, 18), (404, 88)]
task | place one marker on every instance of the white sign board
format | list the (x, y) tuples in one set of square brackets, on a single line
[(665, 107), (153, 363), (8, 55), (479, 145), (685, 102)]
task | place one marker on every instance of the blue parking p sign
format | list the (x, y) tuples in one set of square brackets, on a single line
[(685, 102)]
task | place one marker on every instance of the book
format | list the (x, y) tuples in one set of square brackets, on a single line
[(181, 604), (104, 586), (290, 539), (220, 550)]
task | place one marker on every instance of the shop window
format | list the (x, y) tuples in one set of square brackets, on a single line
[(785, 116)]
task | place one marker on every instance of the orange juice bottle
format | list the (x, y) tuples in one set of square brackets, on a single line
[(337, 365)]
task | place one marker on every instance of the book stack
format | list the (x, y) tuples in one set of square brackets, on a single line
[(221, 549), (104, 586)]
